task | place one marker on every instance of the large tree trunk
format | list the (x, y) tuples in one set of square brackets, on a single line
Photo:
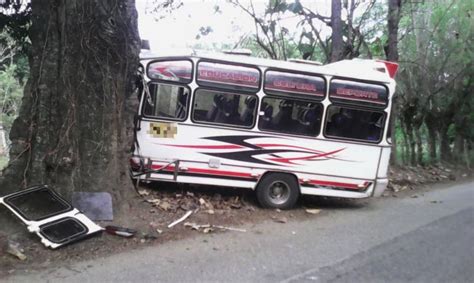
[(74, 127), (337, 44)]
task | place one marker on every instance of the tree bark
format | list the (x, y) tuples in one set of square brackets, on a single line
[(431, 140), (445, 152), (74, 127), (394, 8), (337, 45), (419, 145)]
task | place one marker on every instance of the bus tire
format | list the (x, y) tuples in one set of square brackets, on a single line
[(278, 190)]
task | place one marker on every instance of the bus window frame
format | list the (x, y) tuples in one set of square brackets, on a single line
[(354, 107), (301, 95), (219, 86), (238, 127), (348, 102), (166, 59), (272, 96), (188, 100)]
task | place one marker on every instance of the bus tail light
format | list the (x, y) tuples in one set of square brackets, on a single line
[(392, 67)]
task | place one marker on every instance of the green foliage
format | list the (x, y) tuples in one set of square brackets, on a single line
[(11, 92), (3, 162)]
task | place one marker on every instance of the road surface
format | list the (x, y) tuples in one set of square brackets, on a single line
[(425, 239)]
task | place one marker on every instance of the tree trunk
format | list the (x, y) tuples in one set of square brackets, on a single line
[(445, 151), (74, 127), (431, 142), (394, 8), (411, 144), (337, 45), (419, 145)]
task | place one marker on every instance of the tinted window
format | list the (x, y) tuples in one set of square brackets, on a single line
[(176, 71), (356, 124), (344, 91), (289, 83), (224, 108), (228, 76), (290, 116), (166, 101)]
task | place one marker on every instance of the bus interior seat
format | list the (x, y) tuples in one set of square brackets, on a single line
[(246, 117), (283, 120), (212, 113), (266, 121), (227, 111), (181, 103), (307, 119)]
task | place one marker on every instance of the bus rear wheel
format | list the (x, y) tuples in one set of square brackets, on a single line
[(277, 190)]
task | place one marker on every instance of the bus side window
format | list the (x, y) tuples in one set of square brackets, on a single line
[(294, 116), (224, 108), (166, 101), (354, 124)]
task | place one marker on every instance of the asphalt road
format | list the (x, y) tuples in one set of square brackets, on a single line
[(424, 239)]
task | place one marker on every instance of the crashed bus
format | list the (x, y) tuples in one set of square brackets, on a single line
[(281, 128)]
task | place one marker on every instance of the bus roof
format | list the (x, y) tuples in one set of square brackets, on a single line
[(362, 69)]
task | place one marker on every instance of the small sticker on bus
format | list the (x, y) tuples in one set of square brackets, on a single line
[(163, 130)]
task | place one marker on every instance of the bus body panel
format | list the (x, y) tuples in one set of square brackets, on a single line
[(187, 151)]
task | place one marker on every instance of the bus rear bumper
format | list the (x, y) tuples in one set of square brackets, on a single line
[(380, 186)]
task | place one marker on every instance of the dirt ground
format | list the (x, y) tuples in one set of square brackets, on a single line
[(159, 204)]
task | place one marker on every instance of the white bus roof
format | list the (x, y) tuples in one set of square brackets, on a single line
[(362, 69)]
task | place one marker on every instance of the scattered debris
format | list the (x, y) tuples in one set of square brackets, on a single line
[(436, 201), (159, 231), (181, 219), (312, 210), (164, 205), (210, 211), (143, 192), (229, 228), (280, 219), (14, 249), (96, 206), (120, 231), (207, 228), (154, 201)]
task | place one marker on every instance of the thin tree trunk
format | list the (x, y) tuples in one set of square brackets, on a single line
[(431, 142), (406, 148), (419, 145), (337, 45), (394, 8), (445, 152)]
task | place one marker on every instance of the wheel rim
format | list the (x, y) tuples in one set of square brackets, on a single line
[(279, 192)]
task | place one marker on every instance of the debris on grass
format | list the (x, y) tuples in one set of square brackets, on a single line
[(15, 250), (207, 228), (181, 219), (120, 231), (280, 219), (312, 210), (143, 192)]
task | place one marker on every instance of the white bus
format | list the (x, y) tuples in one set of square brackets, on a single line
[(280, 128)]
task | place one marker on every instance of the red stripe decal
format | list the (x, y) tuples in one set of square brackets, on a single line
[(207, 146), (289, 160), (333, 184), (208, 172)]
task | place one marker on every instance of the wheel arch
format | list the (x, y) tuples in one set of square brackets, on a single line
[(277, 172)]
